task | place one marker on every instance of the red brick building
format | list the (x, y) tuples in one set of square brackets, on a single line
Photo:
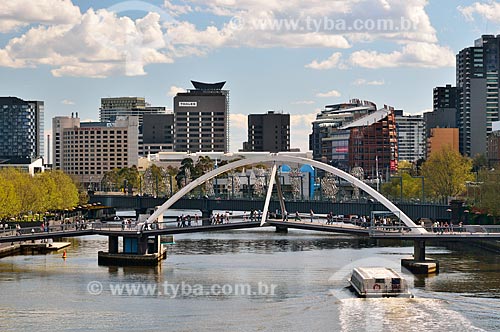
[(374, 137)]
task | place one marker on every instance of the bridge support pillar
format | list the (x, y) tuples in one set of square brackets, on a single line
[(113, 244), (419, 264), (138, 250), (281, 229), (205, 217)]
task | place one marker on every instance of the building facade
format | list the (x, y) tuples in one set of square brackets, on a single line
[(87, 150), (115, 108), (441, 138), (478, 73), (328, 142), (21, 130), (201, 119), (373, 142), (268, 132), (59, 124), (411, 136), (157, 134), (493, 153)]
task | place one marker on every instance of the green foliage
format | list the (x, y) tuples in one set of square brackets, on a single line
[(121, 178), (446, 173), (22, 194), (186, 171), (412, 187), (479, 162), (489, 189)]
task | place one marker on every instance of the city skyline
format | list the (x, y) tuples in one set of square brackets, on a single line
[(294, 58)]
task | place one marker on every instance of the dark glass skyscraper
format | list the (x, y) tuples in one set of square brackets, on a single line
[(201, 119), (478, 93), (21, 130), (268, 132)]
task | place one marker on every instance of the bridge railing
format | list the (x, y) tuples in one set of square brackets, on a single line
[(12, 231), (135, 226)]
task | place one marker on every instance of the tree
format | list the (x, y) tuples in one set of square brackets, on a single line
[(186, 169), (489, 189), (412, 187), (67, 194), (479, 162), (446, 173), (205, 164), (10, 204)]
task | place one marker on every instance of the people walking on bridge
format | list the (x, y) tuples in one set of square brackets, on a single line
[(285, 216), (311, 214), (297, 216)]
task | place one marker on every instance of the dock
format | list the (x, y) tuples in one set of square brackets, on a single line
[(7, 250), (43, 248)]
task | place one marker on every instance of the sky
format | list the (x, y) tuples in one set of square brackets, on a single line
[(288, 56)]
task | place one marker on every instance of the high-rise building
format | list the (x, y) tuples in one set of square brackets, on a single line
[(411, 136), (444, 97), (268, 132), (328, 142), (112, 109), (373, 142), (87, 150), (478, 74), (494, 145), (21, 130), (59, 124), (157, 134), (441, 138), (201, 119)]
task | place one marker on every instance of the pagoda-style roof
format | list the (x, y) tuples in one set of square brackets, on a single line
[(208, 86)]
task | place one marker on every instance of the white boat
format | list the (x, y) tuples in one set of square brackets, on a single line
[(378, 282)]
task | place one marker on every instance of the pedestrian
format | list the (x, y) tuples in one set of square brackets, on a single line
[(297, 216), (311, 214)]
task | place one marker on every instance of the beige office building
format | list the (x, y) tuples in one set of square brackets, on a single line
[(87, 150)]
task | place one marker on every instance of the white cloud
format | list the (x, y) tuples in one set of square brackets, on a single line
[(302, 120), (99, 45), (238, 121), (177, 10), (332, 93), (427, 110), (102, 43), (332, 62), (489, 11), (174, 90), (19, 13), (67, 102), (362, 81), (303, 102), (412, 55)]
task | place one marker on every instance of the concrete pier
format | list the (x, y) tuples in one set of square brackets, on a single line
[(7, 250), (138, 250), (420, 264), (281, 229)]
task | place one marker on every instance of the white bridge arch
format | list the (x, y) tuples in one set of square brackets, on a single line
[(273, 158)]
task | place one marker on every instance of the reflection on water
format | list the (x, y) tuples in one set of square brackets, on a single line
[(308, 269)]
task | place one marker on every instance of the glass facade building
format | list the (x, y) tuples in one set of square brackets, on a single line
[(21, 130)]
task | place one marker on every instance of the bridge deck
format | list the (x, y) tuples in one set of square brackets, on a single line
[(467, 233)]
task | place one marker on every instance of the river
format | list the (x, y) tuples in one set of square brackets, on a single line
[(306, 272)]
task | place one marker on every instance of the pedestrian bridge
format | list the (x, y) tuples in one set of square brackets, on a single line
[(319, 224)]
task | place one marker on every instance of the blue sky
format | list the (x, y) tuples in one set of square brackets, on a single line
[(292, 56)]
